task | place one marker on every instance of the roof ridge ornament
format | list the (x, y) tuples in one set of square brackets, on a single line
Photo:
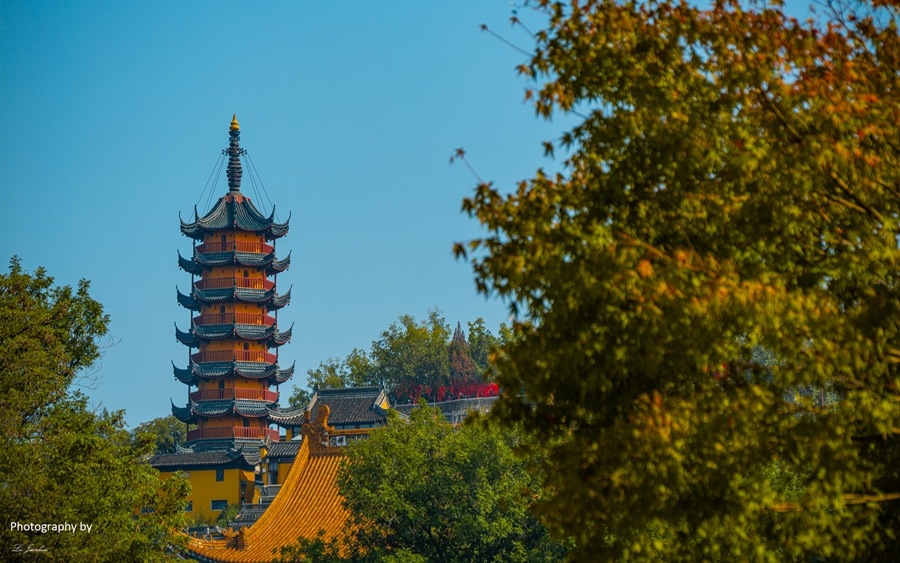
[(234, 152)]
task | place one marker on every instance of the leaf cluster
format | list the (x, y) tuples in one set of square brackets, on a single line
[(423, 490), (735, 184), (60, 461), (167, 432), (410, 354)]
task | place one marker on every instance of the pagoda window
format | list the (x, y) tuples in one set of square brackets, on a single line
[(222, 309), (222, 384), (246, 423), (246, 346), (220, 476), (224, 238), (246, 274)]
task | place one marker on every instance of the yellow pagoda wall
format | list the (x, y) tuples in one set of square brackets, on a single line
[(229, 421)]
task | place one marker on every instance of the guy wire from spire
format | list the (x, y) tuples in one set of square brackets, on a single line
[(253, 166), (205, 186), (253, 183), (212, 190)]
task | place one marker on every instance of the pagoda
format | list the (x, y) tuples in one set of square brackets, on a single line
[(284, 488), (235, 331)]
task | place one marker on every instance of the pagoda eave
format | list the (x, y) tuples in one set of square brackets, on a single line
[(203, 262), (196, 372), (267, 297), (235, 211), (270, 335)]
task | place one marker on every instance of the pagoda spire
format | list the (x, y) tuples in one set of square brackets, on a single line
[(234, 151)]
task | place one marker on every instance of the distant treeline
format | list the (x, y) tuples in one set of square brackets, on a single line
[(413, 359)]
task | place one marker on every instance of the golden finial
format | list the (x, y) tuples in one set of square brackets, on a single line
[(234, 123)]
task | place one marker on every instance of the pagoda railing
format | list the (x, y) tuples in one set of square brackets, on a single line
[(236, 393), (231, 432), (234, 356), (246, 283), (238, 246), (232, 318)]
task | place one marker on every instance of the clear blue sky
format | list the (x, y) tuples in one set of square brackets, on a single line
[(113, 115)]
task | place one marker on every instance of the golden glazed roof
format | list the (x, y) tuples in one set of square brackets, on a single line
[(308, 501)]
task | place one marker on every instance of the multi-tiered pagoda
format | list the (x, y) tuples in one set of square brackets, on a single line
[(230, 458), (235, 332), (233, 340)]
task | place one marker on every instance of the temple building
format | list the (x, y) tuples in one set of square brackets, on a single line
[(303, 499), (230, 376), (284, 484)]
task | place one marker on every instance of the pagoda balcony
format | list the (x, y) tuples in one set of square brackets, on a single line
[(223, 283), (234, 356), (235, 393), (257, 247), (234, 318), (232, 432)]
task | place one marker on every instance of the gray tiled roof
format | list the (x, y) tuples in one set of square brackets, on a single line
[(201, 262), (287, 417), (247, 370), (355, 405), (279, 451), (232, 212), (192, 458), (226, 454), (243, 407), (273, 301), (245, 331), (250, 259)]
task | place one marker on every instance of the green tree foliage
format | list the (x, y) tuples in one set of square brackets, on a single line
[(411, 353), (299, 398), (481, 345), (48, 336), (62, 463), (227, 515), (409, 358), (356, 370), (462, 368), (166, 432), (424, 491), (315, 550), (735, 183)]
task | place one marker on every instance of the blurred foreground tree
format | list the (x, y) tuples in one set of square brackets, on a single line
[(735, 183), (61, 462)]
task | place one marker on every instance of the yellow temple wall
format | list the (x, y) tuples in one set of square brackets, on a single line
[(205, 489), (283, 470)]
